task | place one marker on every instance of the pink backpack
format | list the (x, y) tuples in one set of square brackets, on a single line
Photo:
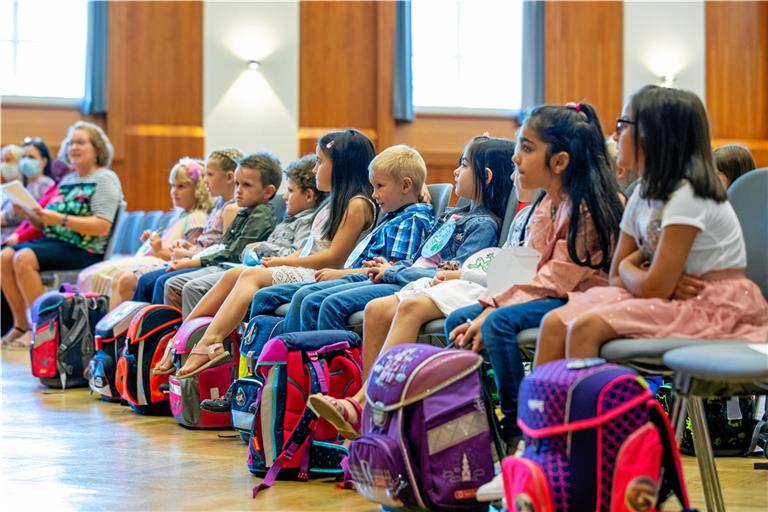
[(595, 439)]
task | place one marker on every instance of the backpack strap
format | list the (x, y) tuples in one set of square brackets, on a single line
[(672, 471), (70, 336), (302, 435)]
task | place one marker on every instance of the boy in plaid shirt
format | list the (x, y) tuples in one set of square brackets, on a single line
[(397, 175)]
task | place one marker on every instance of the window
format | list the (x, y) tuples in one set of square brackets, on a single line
[(467, 54), (42, 48)]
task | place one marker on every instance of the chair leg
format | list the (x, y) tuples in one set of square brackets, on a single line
[(677, 417), (712, 494)]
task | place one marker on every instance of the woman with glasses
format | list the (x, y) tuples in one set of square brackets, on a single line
[(76, 225)]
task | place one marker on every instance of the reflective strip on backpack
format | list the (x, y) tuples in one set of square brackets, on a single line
[(267, 415)]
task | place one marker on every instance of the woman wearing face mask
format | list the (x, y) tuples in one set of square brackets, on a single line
[(35, 168)]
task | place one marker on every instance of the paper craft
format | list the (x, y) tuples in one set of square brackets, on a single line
[(213, 249), (511, 266), (19, 195)]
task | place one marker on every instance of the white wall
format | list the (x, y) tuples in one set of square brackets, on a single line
[(251, 110), (662, 38)]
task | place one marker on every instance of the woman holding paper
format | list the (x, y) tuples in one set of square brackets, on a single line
[(76, 224), (35, 167)]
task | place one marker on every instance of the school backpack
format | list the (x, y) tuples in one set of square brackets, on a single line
[(148, 333), (62, 340), (736, 426), (260, 329), (110, 342), (213, 382), (427, 439), (595, 439), (287, 439), (245, 392)]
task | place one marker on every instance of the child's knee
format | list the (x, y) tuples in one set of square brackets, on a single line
[(553, 325)]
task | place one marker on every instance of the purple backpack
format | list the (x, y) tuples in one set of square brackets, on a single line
[(426, 440), (595, 439)]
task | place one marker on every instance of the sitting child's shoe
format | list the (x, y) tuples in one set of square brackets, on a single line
[(221, 404), (492, 491), (343, 413)]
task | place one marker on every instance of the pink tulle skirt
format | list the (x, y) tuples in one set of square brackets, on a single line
[(728, 308)]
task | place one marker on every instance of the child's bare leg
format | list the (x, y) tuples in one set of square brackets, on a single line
[(12, 292), (123, 286), (230, 314), (411, 314), (586, 335), (551, 343), (215, 297)]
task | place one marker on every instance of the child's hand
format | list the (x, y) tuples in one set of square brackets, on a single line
[(328, 274), (180, 264), (376, 274), (375, 262), (155, 243), (469, 334), (424, 196), (146, 234), (273, 261), (254, 246), (688, 287), (446, 275), (12, 240), (178, 253)]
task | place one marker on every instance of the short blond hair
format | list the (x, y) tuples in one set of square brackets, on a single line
[(399, 162), (13, 151), (99, 140)]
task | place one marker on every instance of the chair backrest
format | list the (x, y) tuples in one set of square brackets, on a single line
[(147, 220), (166, 218), (441, 194), (279, 203), (749, 197), (126, 228), (509, 215), (115, 230)]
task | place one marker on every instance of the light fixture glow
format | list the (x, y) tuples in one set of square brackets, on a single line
[(254, 65)]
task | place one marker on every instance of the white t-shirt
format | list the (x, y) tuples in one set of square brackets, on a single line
[(719, 245)]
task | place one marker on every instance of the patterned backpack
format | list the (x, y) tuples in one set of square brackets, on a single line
[(287, 439), (149, 332), (426, 439), (110, 342), (595, 439), (62, 338)]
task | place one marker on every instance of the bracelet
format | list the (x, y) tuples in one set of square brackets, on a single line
[(65, 220)]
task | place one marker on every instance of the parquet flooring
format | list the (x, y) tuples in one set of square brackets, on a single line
[(69, 451)]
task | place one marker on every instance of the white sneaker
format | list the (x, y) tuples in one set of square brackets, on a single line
[(492, 491)]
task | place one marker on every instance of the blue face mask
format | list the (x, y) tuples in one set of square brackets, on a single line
[(29, 166)]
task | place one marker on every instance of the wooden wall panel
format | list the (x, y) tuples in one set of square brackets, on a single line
[(155, 103), (583, 56), (737, 74), (48, 123), (337, 68)]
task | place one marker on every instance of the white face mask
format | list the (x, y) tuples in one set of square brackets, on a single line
[(9, 172)]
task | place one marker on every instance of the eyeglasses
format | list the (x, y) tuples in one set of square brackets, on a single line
[(32, 140), (622, 124)]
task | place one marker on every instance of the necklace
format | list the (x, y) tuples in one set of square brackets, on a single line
[(552, 212)]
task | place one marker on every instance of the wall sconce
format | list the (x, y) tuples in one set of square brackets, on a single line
[(253, 65), (668, 81)]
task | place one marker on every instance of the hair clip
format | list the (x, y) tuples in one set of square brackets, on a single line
[(574, 106), (486, 134), (330, 144), (193, 168)]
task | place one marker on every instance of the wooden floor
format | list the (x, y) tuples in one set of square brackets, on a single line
[(69, 451)]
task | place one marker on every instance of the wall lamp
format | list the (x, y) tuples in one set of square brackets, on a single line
[(253, 65)]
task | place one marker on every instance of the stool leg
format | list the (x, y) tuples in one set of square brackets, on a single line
[(701, 443), (679, 406)]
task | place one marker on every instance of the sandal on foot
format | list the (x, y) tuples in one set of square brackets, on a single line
[(11, 338), (338, 414), (167, 359), (213, 358)]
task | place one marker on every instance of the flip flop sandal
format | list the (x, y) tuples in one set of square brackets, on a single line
[(336, 414), (10, 340), (213, 357), (167, 357)]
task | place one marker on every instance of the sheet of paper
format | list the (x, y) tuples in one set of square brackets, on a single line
[(759, 347), (16, 192), (512, 265)]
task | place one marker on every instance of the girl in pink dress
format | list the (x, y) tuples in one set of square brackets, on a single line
[(678, 269)]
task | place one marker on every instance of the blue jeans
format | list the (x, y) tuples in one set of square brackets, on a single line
[(333, 311), (306, 303), (151, 286), (500, 330), (267, 300)]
